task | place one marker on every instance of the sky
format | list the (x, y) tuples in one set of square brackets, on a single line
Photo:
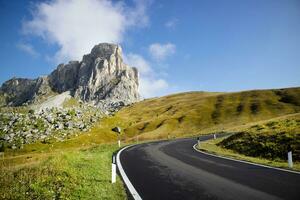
[(178, 46)]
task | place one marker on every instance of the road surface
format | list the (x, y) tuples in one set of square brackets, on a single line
[(174, 170)]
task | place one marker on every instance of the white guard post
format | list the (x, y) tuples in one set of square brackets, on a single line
[(198, 142), (215, 137), (113, 169), (290, 159), (118, 131)]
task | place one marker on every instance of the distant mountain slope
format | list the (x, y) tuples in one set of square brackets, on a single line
[(199, 112)]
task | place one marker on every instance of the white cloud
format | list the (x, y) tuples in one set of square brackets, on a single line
[(161, 51), (150, 85), (139, 62), (27, 48), (171, 23), (76, 25)]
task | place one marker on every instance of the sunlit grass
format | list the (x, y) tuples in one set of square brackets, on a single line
[(212, 147), (194, 113), (79, 174)]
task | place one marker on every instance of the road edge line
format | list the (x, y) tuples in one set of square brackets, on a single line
[(126, 180), (247, 162)]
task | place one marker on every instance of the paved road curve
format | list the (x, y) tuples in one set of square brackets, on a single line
[(174, 170)]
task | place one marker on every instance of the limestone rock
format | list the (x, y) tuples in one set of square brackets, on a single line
[(18, 90), (64, 78), (104, 76), (101, 78)]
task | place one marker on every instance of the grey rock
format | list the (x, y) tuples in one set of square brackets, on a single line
[(18, 90), (104, 76), (64, 78), (99, 79), (6, 137), (69, 125), (50, 119)]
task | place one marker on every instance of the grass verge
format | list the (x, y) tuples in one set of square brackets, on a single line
[(78, 174), (211, 146)]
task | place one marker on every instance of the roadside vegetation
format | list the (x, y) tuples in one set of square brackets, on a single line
[(76, 174), (271, 140), (265, 143)]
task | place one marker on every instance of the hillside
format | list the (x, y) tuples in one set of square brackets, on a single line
[(181, 115), (270, 140), (84, 160), (202, 112)]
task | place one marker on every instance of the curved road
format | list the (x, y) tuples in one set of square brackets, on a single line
[(174, 170)]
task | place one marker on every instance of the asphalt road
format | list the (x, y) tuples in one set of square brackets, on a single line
[(174, 170)]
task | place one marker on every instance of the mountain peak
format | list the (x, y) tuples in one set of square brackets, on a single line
[(104, 50), (101, 78)]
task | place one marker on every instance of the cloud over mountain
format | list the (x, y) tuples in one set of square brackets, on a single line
[(150, 84), (161, 51), (75, 25)]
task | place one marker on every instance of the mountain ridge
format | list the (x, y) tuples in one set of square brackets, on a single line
[(101, 78)]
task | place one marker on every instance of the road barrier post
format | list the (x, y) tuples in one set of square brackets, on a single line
[(215, 137), (113, 169), (290, 159), (118, 131), (198, 139)]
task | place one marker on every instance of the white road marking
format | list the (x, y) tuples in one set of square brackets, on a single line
[(126, 180), (242, 161)]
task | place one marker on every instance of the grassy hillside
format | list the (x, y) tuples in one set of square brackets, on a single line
[(80, 166), (271, 140), (202, 112), (181, 115), (266, 142)]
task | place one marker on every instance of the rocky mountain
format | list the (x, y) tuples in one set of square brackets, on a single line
[(101, 79)]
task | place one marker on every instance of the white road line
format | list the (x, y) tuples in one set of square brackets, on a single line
[(129, 185), (250, 163)]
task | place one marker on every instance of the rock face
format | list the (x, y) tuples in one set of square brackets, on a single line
[(101, 78)]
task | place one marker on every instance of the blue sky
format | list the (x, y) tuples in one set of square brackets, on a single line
[(206, 45)]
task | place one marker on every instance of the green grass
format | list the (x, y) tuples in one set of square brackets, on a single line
[(80, 174), (211, 146), (264, 143), (194, 113), (70, 103), (19, 109), (270, 140)]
